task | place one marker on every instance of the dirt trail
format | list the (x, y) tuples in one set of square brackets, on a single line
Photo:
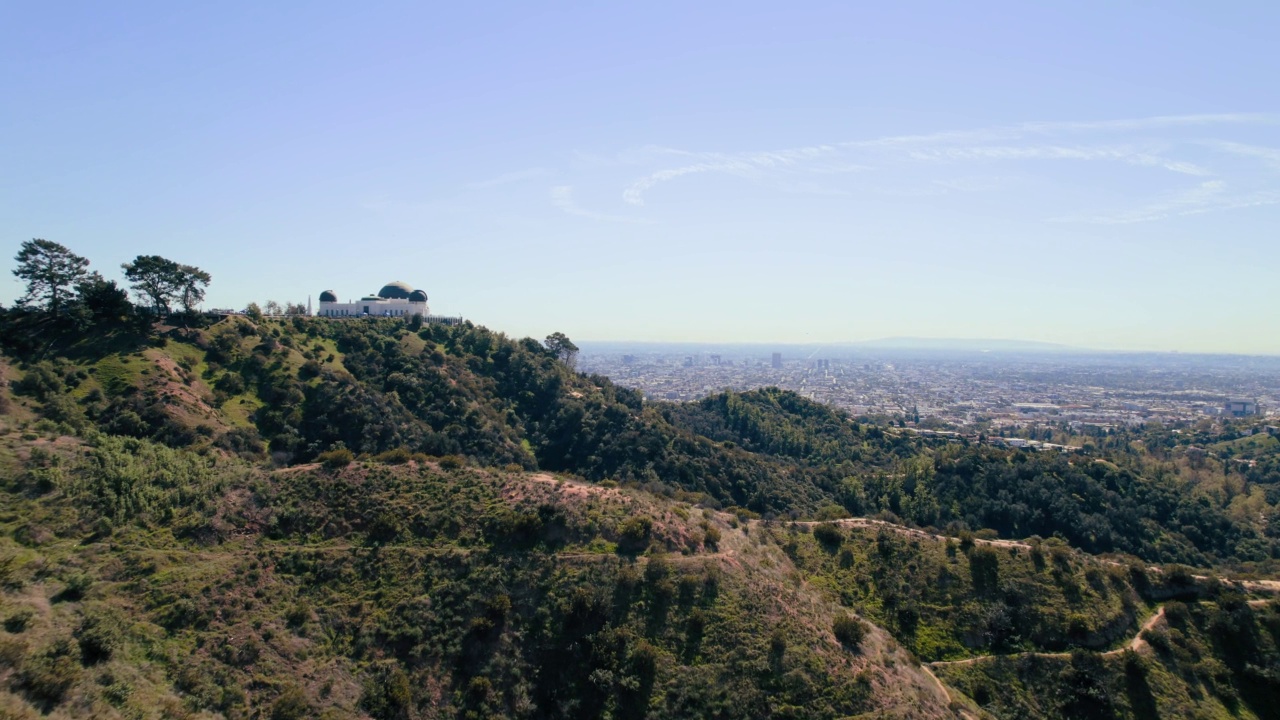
[(903, 529), (1137, 644)]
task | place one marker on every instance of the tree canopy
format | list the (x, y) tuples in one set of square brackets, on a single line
[(192, 281), (50, 270), (161, 280), (563, 348)]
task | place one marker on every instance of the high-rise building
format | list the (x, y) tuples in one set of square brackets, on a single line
[(777, 361), (1241, 408)]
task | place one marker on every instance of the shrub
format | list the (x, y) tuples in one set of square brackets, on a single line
[(97, 640), (1158, 638), (1177, 614), (984, 570), (242, 441), (298, 614), (777, 644), (452, 462), (1061, 558), (75, 589), (1180, 575), (40, 382), (849, 631), (46, 676), (1037, 556), (633, 534), (19, 621), (291, 705), (231, 384), (711, 536), (828, 534), (832, 511), (394, 456), (12, 651), (309, 369), (336, 458), (387, 694)]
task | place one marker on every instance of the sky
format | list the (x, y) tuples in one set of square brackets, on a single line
[(1103, 175)]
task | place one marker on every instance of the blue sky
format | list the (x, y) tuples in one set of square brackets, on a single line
[(1096, 174)]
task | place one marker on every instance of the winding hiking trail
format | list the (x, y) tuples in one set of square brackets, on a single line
[(727, 552), (961, 705), (1137, 644)]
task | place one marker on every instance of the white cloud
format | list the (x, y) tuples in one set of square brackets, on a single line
[(1144, 145), (1055, 152), (1270, 155), (562, 197)]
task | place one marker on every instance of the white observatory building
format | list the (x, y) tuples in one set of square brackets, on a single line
[(395, 299)]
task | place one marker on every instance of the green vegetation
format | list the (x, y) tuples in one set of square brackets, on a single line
[(1216, 659), (394, 589), (302, 517)]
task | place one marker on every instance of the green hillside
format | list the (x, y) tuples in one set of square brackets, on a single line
[(315, 518)]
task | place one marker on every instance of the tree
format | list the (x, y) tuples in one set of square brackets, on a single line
[(294, 309), (161, 280), (563, 348), (50, 270), (253, 311), (273, 308), (192, 282), (101, 300), (849, 631), (156, 279)]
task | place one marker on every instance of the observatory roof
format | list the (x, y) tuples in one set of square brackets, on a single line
[(395, 291)]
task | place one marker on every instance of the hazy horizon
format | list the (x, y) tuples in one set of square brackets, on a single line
[(967, 346), (1088, 175)]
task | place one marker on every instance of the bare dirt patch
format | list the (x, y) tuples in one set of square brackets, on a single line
[(187, 400)]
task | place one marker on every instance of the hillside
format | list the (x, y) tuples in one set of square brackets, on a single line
[(290, 390), (358, 519), (144, 582)]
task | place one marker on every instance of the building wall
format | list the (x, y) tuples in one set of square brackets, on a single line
[(1241, 408), (373, 308)]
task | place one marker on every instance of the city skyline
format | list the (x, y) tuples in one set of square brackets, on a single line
[(1088, 175)]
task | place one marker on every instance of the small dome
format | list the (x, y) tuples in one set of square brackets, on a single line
[(417, 296), (328, 296), (395, 291)]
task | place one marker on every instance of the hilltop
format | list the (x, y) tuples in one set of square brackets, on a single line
[(307, 517)]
